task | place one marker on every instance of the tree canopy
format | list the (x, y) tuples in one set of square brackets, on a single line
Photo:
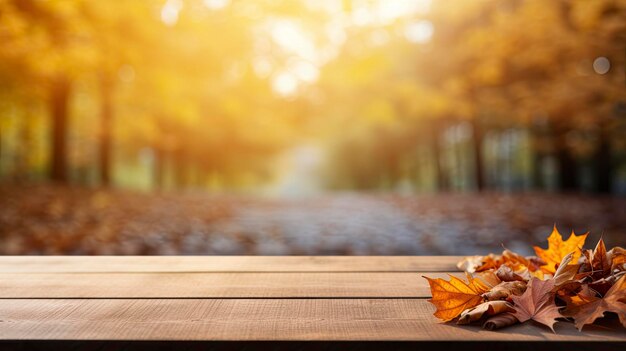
[(419, 95)]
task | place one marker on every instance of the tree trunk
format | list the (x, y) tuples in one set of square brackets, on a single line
[(106, 127), (440, 172), (59, 101), (159, 168), (458, 154), (537, 173), (181, 171), (23, 156), (479, 167), (1, 168), (604, 165), (537, 159), (567, 165)]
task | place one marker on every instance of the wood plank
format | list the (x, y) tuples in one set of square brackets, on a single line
[(215, 285), (23, 264), (343, 345), (259, 319)]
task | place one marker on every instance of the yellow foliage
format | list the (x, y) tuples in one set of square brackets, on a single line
[(455, 296), (559, 248)]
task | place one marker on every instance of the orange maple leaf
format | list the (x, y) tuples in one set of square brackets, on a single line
[(537, 303), (455, 296), (558, 249), (592, 308)]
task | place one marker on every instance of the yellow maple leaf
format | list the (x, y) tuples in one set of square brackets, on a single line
[(558, 248), (455, 296)]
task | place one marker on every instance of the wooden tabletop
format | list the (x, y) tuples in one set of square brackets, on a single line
[(236, 300)]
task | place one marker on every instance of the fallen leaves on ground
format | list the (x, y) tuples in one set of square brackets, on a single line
[(47, 219), (564, 281)]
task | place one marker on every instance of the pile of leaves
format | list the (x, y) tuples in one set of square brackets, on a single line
[(563, 281)]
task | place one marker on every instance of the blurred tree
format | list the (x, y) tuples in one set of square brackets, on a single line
[(466, 95), (52, 30)]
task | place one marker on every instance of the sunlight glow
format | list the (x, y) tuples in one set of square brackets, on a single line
[(293, 39), (302, 67), (216, 4), (385, 12), (285, 83), (305, 71), (169, 12), (419, 32)]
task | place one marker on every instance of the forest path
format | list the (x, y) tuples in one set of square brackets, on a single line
[(342, 224), (61, 220)]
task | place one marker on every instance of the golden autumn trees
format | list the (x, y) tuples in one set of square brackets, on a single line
[(168, 85), (507, 95), (524, 104)]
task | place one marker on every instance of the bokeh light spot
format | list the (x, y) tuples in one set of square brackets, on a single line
[(601, 65), (419, 32)]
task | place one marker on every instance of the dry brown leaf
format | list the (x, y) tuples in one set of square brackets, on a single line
[(537, 303), (558, 249), (470, 263), (566, 271), (500, 321), (474, 264), (593, 308), (617, 258), (600, 265), (490, 308), (504, 290), (455, 296), (516, 262), (506, 274)]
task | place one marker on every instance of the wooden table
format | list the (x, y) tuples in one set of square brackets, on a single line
[(233, 302)]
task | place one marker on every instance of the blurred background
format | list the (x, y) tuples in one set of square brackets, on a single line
[(310, 127)]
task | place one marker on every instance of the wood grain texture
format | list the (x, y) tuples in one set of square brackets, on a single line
[(33, 264), (282, 319), (243, 299), (215, 285)]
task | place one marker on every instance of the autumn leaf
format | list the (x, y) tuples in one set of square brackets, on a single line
[(504, 290), (617, 258), (488, 278), (506, 274), (600, 265), (566, 271), (485, 309), (537, 303), (455, 296), (578, 281), (584, 296), (500, 321), (515, 261), (558, 249), (593, 308), (518, 262), (474, 264)]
